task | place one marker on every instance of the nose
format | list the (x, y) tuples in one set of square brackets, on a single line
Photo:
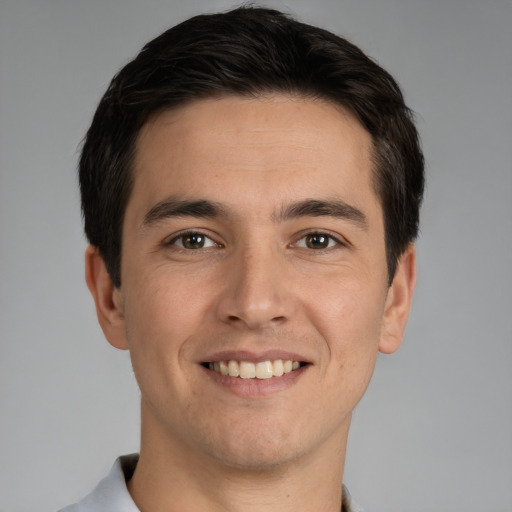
[(256, 291)]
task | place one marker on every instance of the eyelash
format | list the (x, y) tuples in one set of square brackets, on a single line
[(331, 238), (183, 234), (338, 242)]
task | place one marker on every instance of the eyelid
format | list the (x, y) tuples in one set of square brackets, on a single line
[(336, 237), (171, 240), (340, 241)]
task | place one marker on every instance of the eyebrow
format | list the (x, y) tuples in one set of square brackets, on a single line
[(323, 208), (203, 208), (173, 207)]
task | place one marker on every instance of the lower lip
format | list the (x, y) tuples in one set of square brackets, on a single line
[(253, 388)]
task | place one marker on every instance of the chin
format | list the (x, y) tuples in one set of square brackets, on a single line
[(256, 460), (258, 449)]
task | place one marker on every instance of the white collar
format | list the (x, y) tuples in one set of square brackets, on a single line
[(111, 494)]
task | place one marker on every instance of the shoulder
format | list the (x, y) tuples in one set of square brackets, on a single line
[(349, 505), (111, 494)]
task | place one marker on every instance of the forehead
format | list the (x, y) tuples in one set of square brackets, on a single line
[(254, 150), (258, 123)]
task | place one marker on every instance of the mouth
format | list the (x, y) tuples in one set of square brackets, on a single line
[(249, 370)]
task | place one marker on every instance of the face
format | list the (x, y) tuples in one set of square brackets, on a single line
[(253, 241)]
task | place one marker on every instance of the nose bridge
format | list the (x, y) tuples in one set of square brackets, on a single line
[(255, 293)]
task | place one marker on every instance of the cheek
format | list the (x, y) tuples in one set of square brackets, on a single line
[(164, 301), (161, 314), (348, 317), (348, 313), (160, 320)]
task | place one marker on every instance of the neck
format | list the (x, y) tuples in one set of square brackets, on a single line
[(172, 476)]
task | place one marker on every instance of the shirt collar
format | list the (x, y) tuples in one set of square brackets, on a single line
[(111, 494)]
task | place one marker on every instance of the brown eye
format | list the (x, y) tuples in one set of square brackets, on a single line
[(317, 241), (193, 240)]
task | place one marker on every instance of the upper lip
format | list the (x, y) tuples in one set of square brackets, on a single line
[(253, 356)]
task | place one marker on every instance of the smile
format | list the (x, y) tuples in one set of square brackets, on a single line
[(249, 370)]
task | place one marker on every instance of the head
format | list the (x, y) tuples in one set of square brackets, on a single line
[(251, 197), (268, 52)]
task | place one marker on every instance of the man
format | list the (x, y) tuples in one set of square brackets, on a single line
[(251, 189)]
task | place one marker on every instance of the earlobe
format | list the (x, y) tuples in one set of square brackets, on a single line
[(107, 298), (398, 302)]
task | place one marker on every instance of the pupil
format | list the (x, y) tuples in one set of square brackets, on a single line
[(193, 241), (317, 241)]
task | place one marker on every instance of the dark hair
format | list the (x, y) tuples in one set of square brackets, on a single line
[(248, 51)]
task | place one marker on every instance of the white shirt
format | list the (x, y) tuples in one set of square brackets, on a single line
[(111, 494)]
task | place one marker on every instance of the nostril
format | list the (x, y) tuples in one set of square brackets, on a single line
[(254, 318)]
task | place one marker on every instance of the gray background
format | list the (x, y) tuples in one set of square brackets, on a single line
[(434, 432)]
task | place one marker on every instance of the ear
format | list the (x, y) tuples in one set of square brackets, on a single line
[(398, 302), (108, 298)]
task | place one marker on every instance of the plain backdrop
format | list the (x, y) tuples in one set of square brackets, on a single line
[(434, 432)]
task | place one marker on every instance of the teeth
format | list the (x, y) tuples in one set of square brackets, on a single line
[(277, 368), (248, 370), (233, 369), (224, 368), (264, 370)]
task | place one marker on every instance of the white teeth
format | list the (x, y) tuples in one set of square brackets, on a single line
[(264, 370), (224, 369), (277, 368), (248, 370), (234, 368)]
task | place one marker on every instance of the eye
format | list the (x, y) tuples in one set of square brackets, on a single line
[(317, 241), (192, 240)]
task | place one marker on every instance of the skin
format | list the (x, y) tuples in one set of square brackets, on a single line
[(256, 285)]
